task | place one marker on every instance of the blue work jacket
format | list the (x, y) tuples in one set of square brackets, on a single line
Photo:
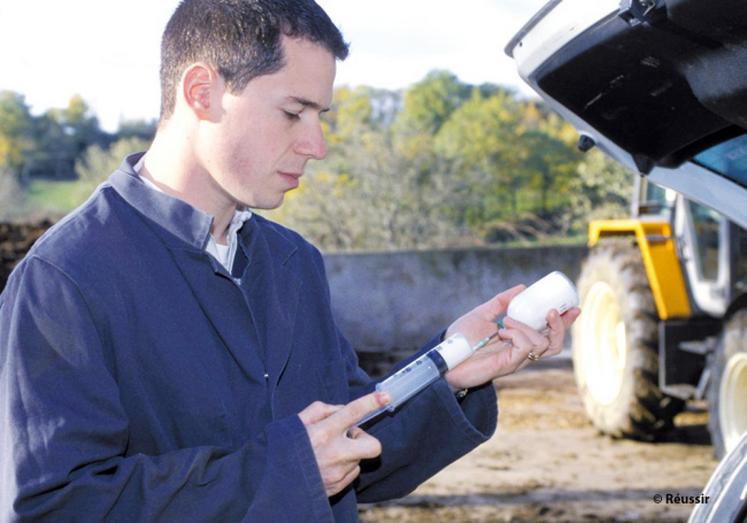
[(140, 381)]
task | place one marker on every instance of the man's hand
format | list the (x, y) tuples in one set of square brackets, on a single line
[(516, 341), (338, 444)]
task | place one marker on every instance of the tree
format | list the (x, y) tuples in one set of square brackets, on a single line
[(143, 129), (366, 195), (62, 136), (324, 206), (53, 155), (16, 134), (429, 103), (552, 157), (97, 163), (446, 164), (79, 122), (481, 138), (12, 197), (601, 188)]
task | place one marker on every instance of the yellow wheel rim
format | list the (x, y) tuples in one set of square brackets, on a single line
[(733, 400), (603, 343)]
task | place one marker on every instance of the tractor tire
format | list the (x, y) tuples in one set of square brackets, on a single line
[(727, 393), (615, 345)]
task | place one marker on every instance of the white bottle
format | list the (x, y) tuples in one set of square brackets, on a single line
[(532, 305)]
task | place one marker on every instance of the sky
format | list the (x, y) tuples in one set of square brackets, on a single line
[(108, 52)]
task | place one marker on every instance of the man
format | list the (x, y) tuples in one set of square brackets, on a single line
[(167, 355)]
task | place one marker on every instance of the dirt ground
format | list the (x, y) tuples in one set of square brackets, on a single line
[(547, 464)]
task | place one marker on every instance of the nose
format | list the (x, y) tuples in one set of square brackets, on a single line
[(312, 143)]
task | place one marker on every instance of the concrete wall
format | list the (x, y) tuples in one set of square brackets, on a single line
[(397, 301), (393, 302)]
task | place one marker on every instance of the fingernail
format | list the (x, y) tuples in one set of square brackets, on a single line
[(383, 398)]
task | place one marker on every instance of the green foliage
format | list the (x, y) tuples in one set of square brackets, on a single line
[(12, 198), (600, 189), (62, 136), (45, 146), (457, 165), (97, 163), (143, 129), (39, 153), (46, 197), (354, 111), (479, 139), (441, 164), (429, 103), (16, 140)]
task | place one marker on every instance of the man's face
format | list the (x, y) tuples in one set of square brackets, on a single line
[(258, 148)]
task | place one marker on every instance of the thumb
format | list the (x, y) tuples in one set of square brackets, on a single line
[(499, 303)]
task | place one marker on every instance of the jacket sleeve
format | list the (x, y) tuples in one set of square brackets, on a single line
[(64, 437), (426, 433)]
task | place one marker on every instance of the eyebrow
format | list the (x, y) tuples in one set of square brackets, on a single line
[(308, 103)]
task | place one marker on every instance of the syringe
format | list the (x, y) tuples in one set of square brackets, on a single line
[(531, 306), (413, 378)]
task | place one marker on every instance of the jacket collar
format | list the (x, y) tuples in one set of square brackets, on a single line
[(270, 283), (188, 224)]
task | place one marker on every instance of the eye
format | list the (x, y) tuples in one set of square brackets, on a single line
[(291, 115)]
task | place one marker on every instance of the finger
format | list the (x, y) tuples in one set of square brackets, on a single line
[(556, 332), (364, 446), (350, 476), (346, 480), (355, 411), (570, 316), (498, 304), (317, 411), (522, 345), (354, 432), (537, 339)]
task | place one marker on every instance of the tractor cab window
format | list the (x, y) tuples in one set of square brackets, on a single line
[(707, 224), (656, 195), (654, 199), (739, 259), (728, 159)]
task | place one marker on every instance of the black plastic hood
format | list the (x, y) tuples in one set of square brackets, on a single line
[(663, 86)]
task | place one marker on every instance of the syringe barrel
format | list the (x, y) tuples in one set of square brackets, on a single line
[(420, 373), (407, 382)]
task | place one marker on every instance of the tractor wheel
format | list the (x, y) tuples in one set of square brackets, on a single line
[(727, 394), (615, 345)]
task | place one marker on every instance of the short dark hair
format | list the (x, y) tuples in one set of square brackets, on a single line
[(240, 38)]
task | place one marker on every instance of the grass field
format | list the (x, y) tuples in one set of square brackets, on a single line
[(54, 198)]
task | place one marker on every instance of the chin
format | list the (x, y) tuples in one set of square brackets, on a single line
[(268, 204)]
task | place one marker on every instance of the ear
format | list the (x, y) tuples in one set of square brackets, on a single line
[(202, 88)]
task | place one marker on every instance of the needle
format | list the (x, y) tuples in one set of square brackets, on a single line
[(480, 344)]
